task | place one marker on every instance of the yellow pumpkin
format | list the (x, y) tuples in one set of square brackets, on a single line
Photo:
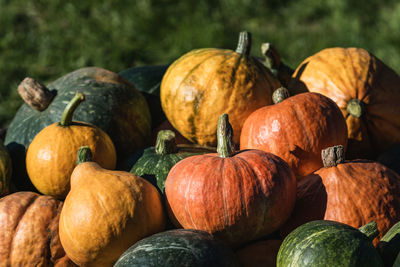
[(205, 83), (51, 157), (106, 212)]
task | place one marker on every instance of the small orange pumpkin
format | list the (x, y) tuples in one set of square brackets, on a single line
[(50, 158)]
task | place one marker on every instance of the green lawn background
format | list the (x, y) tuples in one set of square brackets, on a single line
[(46, 39)]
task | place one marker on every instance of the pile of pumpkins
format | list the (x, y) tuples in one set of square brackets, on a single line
[(218, 159)]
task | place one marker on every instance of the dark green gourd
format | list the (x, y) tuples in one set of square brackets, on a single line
[(155, 162), (148, 79), (329, 243), (112, 103), (389, 245), (180, 247)]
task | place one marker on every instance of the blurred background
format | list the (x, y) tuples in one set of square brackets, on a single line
[(47, 39)]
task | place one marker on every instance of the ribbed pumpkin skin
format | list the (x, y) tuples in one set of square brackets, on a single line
[(105, 213), (327, 243), (5, 170), (51, 157), (111, 103), (205, 83), (29, 231), (237, 199), (180, 247), (297, 129), (354, 192), (343, 74)]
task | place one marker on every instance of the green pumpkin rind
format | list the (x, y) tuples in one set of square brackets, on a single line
[(148, 80), (180, 247), (5, 170), (155, 166), (112, 103), (389, 245), (327, 243)]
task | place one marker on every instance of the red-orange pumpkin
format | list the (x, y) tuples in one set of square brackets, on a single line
[(296, 129), (29, 231), (352, 192), (237, 197)]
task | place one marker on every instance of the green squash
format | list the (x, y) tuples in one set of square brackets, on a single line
[(112, 104), (180, 247), (155, 162), (389, 245), (5, 170), (328, 243), (148, 79)]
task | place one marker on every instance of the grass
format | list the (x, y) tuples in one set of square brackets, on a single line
[(47, 39)]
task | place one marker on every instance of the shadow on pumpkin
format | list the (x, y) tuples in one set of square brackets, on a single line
[(296, 86), (311, 201)]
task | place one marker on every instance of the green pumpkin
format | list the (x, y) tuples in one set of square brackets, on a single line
[(180, 247), (5, 170), (389, 245), (328, 243), (148, 79), (112, 104), (155, 162)]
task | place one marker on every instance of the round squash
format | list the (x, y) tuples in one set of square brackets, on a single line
[(296, 129), (50, 158), (236, 196), (204, 83), (365, 89), (156, 162), (180, 247), (148, 80), (112, 104), (5, 170), (352, 192), (29, 231), (106, 212), (327, 243)]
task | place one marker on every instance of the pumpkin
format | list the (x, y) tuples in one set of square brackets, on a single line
[(352, 192), (328, 243), (260, 253), (296, 129), (29, 231), (365, 89), (236, 196), (5, 170), (112, 104), (50, 158), (106, 212), (204, 83), (179, 247), (148, 80), (156, 162), (389, 245), (391, 158)]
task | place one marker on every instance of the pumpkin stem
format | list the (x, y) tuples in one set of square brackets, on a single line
[(226, 146), (355, 107), (275, 65), (280, 94), (35, 94), (370, 230), (66, 117), (244, 44), (165, 143), (84, 155), (332, 156)]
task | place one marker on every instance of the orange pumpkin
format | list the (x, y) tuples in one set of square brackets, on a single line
[(365, 89), (260, 253), (236, 196), (29, 231), (296, 129), (352, 192), (50, 158), (205, 83), (106, 212)]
